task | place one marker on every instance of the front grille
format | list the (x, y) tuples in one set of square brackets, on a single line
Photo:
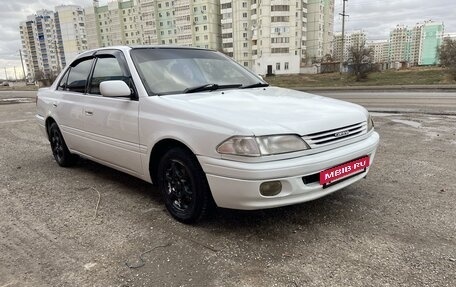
[(335, 135)]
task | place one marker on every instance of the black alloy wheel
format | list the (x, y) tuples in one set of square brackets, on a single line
[(183, 185), (59, 148)]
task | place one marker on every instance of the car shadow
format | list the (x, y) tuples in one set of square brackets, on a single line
[(338, 208)]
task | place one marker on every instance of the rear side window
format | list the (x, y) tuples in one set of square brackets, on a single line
[(78, 75), (106, 69)]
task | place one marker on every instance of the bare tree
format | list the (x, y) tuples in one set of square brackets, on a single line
[(447, 55), (360, 60)]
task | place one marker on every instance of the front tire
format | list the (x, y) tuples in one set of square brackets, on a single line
[(59, 148), (183, 186)]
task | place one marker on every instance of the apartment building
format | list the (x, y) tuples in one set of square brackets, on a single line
[(40, 45), (276, 36), (51, 39), (417, 45), (138, 22), (379, 51), (184, 22), (355, 38), (71, 31), (116, 23), (431, 38), (320, 25), (400, 41)]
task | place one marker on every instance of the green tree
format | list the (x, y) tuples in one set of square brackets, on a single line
[(447, 55)]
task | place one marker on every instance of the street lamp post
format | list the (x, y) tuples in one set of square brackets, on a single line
[(22, 62)]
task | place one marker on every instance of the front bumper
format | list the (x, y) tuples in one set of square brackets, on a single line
[(236, 184)]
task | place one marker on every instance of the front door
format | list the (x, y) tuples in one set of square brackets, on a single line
[(111, 124)]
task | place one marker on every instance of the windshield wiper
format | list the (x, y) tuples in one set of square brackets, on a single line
[(210, 87), (256, 85)]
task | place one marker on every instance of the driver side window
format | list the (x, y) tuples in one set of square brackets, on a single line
[(106, 69)]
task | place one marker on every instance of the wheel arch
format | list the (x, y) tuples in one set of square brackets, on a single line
[(48, 124), (159, 149)]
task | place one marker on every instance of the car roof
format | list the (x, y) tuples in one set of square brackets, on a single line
[(128, 48)]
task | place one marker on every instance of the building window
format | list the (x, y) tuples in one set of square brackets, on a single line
[(278, 66), (286, 66), (226, 5), (244, 15), (246, 64)]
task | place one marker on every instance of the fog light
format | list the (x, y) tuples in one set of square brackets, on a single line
[(270, 188)]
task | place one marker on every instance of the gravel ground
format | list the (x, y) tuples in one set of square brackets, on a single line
[(396, 228)]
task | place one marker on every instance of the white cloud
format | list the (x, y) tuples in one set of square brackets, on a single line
[(377, 18)]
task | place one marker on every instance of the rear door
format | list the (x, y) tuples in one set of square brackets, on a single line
[(111, 124), (68, 106)]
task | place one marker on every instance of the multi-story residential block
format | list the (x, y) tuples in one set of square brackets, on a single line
[(184, 22), (379, 51), (271, 36), (239, 20), (417, 45), (431, 39), (320, 25), (268, 36), (40, 45), (400, 41), (117, 23), (51, 39), (356, 38), (71, 31)]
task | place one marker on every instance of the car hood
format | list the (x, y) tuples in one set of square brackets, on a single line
[(271, 110)]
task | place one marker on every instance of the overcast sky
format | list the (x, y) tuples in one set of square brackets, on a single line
[(375, 17)]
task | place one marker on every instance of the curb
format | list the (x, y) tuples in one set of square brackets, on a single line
[(427, 88)]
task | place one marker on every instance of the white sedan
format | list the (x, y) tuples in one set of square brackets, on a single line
[(204, 129)]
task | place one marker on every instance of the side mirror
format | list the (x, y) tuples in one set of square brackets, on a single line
[(114, 89)]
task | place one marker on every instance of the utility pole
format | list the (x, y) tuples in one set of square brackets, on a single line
[(343, 35), (22, 62), (6, 75), (15, 75)]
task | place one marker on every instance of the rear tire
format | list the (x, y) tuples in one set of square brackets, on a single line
[(183, 186), (59, 148)]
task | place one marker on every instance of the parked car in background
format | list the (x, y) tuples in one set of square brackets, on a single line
[(204, 129), (5, 84)]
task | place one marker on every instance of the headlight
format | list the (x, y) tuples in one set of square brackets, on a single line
[(265, 145), (370, 123)]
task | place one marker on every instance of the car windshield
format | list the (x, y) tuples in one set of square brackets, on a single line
[(182, 70)]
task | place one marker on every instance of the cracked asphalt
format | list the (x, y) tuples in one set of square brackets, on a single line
[(395, 228)]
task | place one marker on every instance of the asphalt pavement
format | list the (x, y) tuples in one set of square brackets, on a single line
[(93, 226)]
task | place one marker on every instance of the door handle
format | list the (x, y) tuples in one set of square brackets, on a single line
[(54, 104), (88, 113)]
